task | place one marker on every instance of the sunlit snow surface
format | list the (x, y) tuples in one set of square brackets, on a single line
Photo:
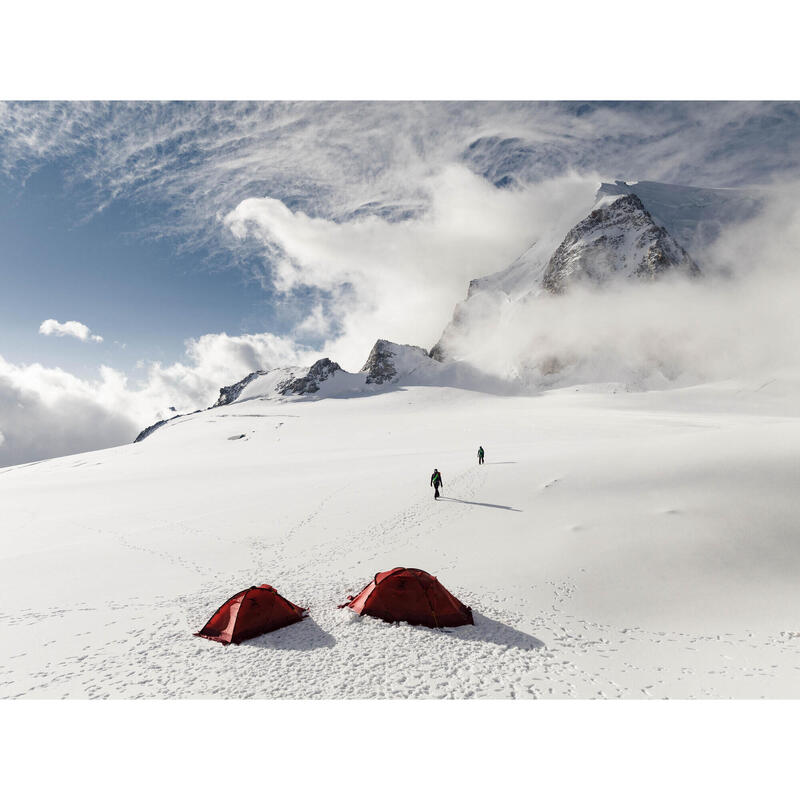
[(614, 544)]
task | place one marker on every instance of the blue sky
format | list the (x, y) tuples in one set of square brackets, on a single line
[(143, 296), (203, 240), (143, 293)]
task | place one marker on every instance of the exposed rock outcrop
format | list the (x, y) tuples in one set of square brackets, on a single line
[(618, 240), (309, 383), (229, 394), (382, 362)]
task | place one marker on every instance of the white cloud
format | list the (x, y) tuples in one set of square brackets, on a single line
[(215, 360), (199, 160), (402, 279), (739, 322), (317, 324), (52, 327), (47, 412)]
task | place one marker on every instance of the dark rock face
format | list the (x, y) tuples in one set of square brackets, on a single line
[(437, 352), (152, 428), (309, 383), (380, 366), (380, 363), (229, 394), (156, 425), (620, 239)]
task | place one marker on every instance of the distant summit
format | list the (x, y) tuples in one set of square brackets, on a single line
[(620, 239), (228, 394), (617, 240), (309, 383), (386, 358), (693, 215), (389, 366)]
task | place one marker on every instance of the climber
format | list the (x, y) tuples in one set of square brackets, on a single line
[(436, 482)]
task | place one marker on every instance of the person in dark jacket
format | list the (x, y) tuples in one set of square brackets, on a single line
[(480, 454), (436, 482)]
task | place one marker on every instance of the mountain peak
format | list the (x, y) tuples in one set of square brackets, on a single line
[(617, 239), (387, 358), (229, 394), (621, 238), (309, 383), (694, 215)]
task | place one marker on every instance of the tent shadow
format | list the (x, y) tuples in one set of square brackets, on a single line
[(493, 631), (473, 503), (303, 635)]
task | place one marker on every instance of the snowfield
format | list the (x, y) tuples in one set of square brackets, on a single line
[(614, 544)]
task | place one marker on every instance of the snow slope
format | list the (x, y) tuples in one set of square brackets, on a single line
[(613, 545)]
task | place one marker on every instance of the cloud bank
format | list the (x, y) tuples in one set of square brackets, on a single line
[(46, 412), (52, 327), (740, 321), (400, 280)]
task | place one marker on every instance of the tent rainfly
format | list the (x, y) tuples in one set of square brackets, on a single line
[(410, 595), (257, 610)]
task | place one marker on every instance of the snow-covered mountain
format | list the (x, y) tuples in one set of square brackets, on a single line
[(619, 239), (389, 366), (695, 216), (627, 235), (388, 362)]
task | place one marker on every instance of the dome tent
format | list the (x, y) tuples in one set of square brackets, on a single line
[(410, 595), (257, 610)]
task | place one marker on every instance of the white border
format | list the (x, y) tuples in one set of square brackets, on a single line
[(418, 49)]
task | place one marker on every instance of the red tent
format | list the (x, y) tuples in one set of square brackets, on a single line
[(257, 610), (410, 595)]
